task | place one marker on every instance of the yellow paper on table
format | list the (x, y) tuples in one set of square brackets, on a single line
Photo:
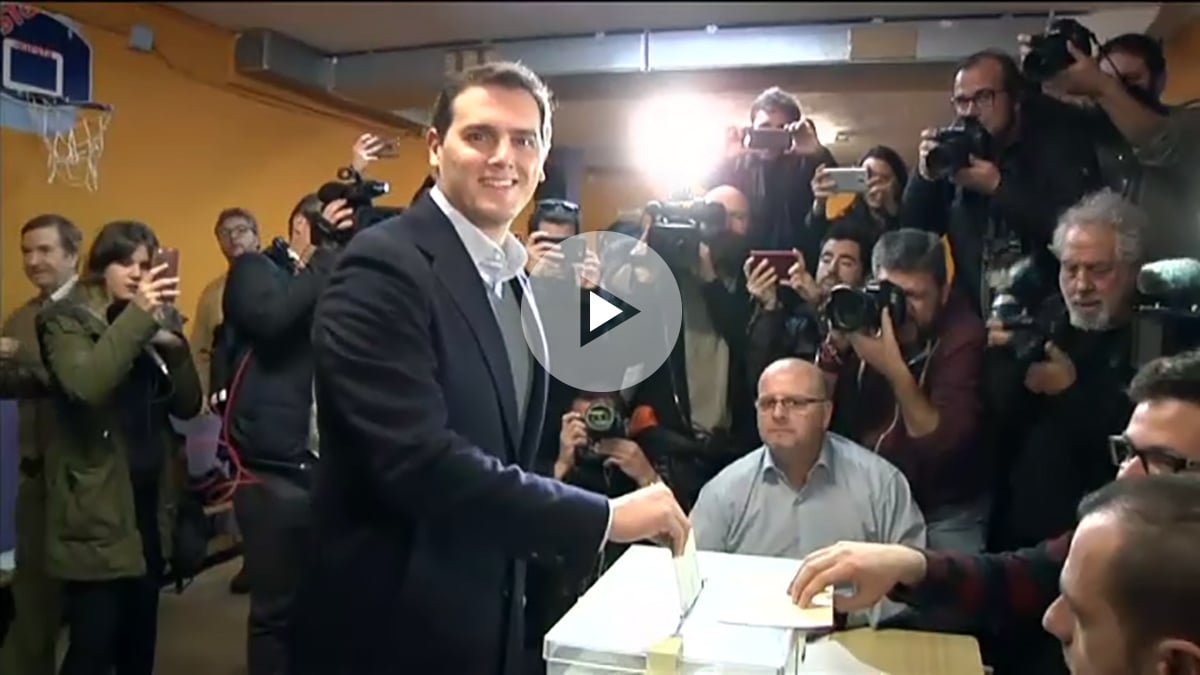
[(773, 608)]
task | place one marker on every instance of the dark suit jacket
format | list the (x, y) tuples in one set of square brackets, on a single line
[(423, 505)]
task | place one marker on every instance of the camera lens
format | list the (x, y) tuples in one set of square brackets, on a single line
[(848, 310)]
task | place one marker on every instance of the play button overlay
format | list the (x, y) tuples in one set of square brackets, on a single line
[(602, 332), (603, 311)]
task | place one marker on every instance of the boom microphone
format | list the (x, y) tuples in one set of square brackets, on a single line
[(1176, 279)]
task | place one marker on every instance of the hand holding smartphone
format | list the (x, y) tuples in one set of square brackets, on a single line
[(780, 261), (168, 257)]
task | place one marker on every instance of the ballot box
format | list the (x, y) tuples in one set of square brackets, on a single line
[(635, 605)]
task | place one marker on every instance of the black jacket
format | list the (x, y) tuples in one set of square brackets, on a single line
[(268, 313), (1048, 169)]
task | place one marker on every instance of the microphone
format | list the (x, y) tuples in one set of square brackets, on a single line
[(1172, 279)]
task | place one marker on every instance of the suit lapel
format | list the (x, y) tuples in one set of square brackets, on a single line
[(453, 266), (535, 412)]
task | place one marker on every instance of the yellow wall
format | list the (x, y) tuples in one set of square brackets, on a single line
[(188, 139), (1183, 64)]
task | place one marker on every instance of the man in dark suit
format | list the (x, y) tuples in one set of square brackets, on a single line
[(431, 405)]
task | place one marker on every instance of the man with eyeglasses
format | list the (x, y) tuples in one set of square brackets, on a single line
[(1003, 205), (1004, 590), (806, 487)]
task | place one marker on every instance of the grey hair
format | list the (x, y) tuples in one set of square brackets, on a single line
[(1106, 207)]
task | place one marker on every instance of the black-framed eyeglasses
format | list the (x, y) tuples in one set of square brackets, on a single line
[(984, 98), (1154, 459), (557, 205), (789, 403)]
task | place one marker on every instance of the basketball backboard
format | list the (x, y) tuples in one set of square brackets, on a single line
[(44, 56)]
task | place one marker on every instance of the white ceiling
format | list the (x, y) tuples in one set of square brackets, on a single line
[(345, 27)]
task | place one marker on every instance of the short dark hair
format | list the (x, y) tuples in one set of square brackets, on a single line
[(1174, 377), (1143, 47), (235, 212), (1014, 82), (558, 211), (776, 99), (845, 229), (910, 250), (505, 74), (309, 203), (116, 243), (890, 157), (1152, 579), (69, 235)]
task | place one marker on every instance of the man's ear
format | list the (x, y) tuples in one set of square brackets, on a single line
[(1178, 657), (434, 143)]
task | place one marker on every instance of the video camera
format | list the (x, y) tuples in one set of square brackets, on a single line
[(1017, 308), (359, 193), (1167, 317), (955, 146), (1048, 55), (854, 310), (603, 421), (678, 228)]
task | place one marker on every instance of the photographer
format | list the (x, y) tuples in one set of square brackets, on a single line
[(796, 327), (909, 387), (1067, 397), (772, 162), (1149, 152), (995, 181), (592, 450), (698, 395), (877, 208), (268, 306), (553, 222)]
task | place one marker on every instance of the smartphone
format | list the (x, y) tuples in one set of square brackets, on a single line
[(849, 179), (769, 139), (168, 257), (780, 261)]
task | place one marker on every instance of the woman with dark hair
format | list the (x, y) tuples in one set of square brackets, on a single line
[(117, 375), (877, 209)]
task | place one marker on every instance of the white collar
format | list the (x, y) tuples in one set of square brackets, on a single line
[(62, 291), (497, 262)]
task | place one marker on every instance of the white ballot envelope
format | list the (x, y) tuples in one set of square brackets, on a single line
[(760, 605), (687, 575)]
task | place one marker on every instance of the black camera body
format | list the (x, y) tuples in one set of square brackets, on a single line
[(860, 310), (1048, 55), (956, 144), (678, 228), (603, 421), (359, 193), (1017, 308)]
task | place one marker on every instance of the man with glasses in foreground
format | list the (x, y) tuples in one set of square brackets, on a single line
[(805, 487), (1162, 437)]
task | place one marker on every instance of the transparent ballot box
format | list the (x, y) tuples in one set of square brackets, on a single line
[(636, 605)]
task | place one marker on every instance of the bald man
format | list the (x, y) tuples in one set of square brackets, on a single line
[(806, 487)]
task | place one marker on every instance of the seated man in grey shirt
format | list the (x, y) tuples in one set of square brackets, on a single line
[(806, 487)]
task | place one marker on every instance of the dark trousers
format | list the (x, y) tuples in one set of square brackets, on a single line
[(113, 624), (275, 521)]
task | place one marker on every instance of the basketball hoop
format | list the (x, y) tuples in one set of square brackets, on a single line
[(73, 132)]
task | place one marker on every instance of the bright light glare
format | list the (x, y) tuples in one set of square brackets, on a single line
[(678, 140)]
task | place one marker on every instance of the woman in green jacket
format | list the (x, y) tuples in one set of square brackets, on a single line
[(117, 375)]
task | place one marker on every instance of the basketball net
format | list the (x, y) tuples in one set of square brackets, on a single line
[(74, 138)]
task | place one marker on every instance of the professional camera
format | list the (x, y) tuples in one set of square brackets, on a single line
[(955, 146), (1166, 319), (678, 228), (1016, 308), (359, 193), (851, 310), (603, 420), (1048, 55)]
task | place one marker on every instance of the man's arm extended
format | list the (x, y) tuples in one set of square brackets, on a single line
[(377, 374)]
